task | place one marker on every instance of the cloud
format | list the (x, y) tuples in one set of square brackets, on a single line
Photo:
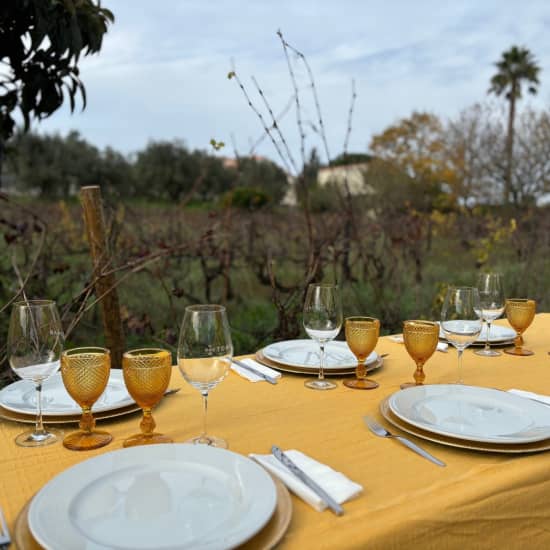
[(162, 73)]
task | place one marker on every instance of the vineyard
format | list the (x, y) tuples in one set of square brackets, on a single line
[(391, 263)]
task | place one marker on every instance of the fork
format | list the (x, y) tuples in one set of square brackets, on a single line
[(5, 539), (380, 431)]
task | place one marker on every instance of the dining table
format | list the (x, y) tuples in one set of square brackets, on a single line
[(478, 500)]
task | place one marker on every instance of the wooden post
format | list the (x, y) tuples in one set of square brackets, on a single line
[(105, 286)]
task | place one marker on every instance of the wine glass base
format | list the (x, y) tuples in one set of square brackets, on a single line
[(522, 352), (85, 441), (361, 384), (209, 440), (146, 439), (488, 353), (406, 385), (317, 384), (32, 439)]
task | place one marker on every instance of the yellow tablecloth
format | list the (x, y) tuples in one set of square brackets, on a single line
[(480, 500)]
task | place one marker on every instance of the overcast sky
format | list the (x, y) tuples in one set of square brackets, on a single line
[(162, 71)]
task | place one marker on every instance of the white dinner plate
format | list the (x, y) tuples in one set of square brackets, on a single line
[(154, 497), (472, 413), (498, 334), (305, 353), (21, 396)]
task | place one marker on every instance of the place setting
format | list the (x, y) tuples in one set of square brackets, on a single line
[(18, 401), (459, 415), (321, 355), (153, 493), (158, 496)]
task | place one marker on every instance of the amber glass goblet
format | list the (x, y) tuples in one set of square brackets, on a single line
[(361, 337), (520, 313), (85, 373), (420, 338), (146, 375)]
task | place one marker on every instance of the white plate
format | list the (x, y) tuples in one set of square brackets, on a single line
[(472, 413), (21, 396), (498, 334), (305, 353), (154, 497)]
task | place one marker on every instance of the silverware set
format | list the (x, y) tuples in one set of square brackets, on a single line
[(248, 368), (285, 460)]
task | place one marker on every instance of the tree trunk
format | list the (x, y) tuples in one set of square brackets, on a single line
[(510, 144), (105, 285)]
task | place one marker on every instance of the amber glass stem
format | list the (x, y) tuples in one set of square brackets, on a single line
[(87, 422), (147, 424), (419, 375), (361, 371), (518, 342)]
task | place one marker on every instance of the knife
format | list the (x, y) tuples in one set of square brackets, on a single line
[(300, 474), (266, 377)]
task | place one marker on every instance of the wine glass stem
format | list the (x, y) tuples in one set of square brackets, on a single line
[(322, 361), (518, 342), (87, 420), (147, 424), (39, 427), (361, 371), (204, 414), (487, 347), (460, 352)]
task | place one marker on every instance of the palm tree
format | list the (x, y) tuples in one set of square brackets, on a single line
[(516, 66)]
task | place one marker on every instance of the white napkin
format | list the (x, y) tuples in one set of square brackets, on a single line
[(530, 395), (257, 366), (441, 346), (336, 484)]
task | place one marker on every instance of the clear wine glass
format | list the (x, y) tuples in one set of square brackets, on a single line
[(491, 301), (204, 356), (460, 320), (35, 343), (322, 321)]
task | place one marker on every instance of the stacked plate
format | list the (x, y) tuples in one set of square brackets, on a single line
[(471, 417), (158, 496), (498, 336), (302, 357), (18, 401)]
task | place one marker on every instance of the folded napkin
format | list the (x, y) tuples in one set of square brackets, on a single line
[(530, 395), (336, 484), (441, 346), (256, 366)]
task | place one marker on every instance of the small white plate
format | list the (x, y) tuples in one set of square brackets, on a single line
[(154, 497), (305, 353), (498, 334), (21, 396), (472, 413)]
